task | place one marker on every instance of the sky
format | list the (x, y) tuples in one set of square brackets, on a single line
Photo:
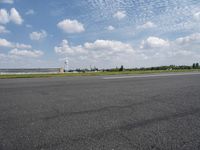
[(100, 33)]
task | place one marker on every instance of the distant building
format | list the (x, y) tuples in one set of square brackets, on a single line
[(31, 70)]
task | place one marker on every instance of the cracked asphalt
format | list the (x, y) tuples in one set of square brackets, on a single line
[(91, 113)]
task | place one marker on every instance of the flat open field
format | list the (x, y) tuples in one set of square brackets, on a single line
[(101, 73), (142, 112)]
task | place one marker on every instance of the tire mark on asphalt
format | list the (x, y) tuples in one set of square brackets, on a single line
[(126, 127), (103, 109)]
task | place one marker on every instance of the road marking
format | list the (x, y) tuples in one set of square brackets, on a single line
[(152, 75)]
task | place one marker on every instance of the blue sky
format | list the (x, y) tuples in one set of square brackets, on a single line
[(101, 33)]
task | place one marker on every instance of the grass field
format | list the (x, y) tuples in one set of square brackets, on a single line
[(10, 76)]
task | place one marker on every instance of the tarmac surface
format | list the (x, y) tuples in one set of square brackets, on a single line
[(147, 112)]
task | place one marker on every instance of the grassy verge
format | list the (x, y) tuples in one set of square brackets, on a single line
[(10, 76)]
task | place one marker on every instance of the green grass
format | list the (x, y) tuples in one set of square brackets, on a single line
[(10, 76)]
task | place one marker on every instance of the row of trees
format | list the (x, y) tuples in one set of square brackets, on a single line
[(121, 68), (195, 66), (170, 67)]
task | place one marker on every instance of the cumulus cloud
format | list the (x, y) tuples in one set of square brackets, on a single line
[(8, 44), (154, 42), (110, 28), (65, 48), (18, 51), (103, 49), (4, 16), (22, 46), (110, 46), (7, 1), (5, 43), (30, 12), (147, 25), (179, 43), (3, 29), (189, 39), (197, 16), (26, 53), (152, 50), (120, 15), (176, 51), (181, 52), (71, 26), (38, 35), (13, 16)]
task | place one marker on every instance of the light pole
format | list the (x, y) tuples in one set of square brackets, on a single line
[(66, 65)]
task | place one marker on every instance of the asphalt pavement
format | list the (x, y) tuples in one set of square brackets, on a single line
[(147, 112)]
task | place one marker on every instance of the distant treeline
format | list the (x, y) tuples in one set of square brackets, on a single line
[(170, 67)]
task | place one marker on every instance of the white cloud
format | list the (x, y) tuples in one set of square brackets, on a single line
[(4, 16), (154, 42), (147, 25), (181, 52), (5, 43), (197, 16), (155, 51), (110, 28), (14, 16), (107, 45), (22, 46), (18, 51), (30, 12), (8, 44), (7, 1), (103, 49), (177, 51), (189, 39), (3, 29), (38, 35), (26, 53), (64, 48), (71, 26), (100, 53), (120, 15)]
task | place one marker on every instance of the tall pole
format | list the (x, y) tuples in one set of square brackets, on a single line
[(66, 64)]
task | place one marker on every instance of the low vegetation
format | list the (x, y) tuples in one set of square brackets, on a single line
[(162, 68), (114, 71), (97, 73)]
